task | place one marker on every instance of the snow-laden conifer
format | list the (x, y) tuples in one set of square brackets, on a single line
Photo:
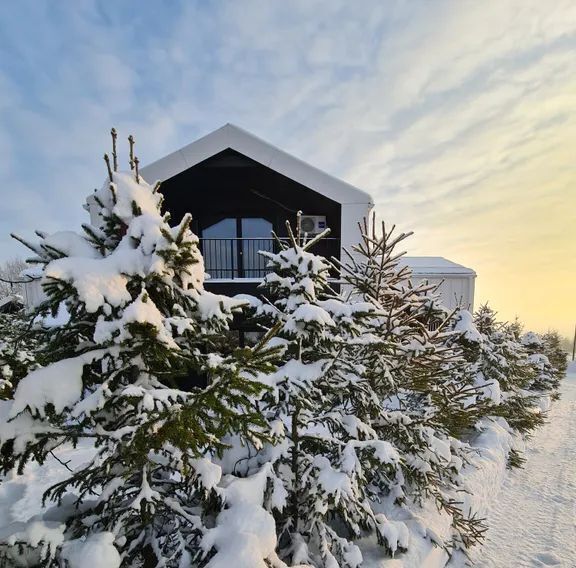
[(423, 398), (500, 366), (546, 378), (321, 492), (139, 322), (558, 357), (19, 346)]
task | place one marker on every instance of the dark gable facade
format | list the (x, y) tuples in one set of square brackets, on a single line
[(239, 189), (236, 202)]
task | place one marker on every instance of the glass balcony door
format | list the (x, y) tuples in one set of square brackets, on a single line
[(230, 247)]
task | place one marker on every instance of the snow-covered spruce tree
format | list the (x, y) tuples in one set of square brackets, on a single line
[(19, 346), (325, 454), (558, 357), (139, 317), (546, 379), (501, 367), (424, 397)]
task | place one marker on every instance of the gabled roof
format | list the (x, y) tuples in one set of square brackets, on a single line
[(230, 136), (434, 265)]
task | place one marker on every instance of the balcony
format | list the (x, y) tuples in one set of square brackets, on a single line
[(227, 259)]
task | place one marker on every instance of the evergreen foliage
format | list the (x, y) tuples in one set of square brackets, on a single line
[(546, 378), (325, 454), (19, 347), (352, 413), (512, 369), (501, 367), (139, 319), (558, 357), (423, 399)]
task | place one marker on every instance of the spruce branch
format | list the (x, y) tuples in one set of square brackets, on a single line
[(131, 143), (112, 188), (291, 236), (107, 160), (309, 244), (114, 135), (298, 225), (65, 464)]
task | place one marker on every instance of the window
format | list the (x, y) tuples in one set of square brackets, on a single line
[(230, 247)]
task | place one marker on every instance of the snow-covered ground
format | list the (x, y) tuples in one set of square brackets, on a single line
[(21, 495), (532, 519), (531, 515)]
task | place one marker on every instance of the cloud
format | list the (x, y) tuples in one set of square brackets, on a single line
[(456, 116)]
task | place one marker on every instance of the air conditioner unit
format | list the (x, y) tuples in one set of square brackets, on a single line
[(312, 224)]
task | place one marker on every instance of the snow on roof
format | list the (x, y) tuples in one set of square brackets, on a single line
[(230, 136), (11, 299), (428, 265)]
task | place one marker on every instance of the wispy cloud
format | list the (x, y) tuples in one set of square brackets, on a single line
[(457, 116)]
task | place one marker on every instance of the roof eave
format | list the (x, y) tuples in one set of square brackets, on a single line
[(230, 136)]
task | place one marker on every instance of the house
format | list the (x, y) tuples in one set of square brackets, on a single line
[(239, 188), (11, 304)]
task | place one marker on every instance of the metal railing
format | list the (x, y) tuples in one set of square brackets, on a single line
[(239, 258)]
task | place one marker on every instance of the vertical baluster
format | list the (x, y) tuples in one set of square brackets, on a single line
[(210, 250), (257, 259), (207, 247), (229, 265), (261, 246), (218, 251), (224, 248), (246, 261), (251, 257), (240, 257), (255, 249), (232, 258)]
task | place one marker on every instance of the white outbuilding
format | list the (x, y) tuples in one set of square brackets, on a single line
[(455, 282)]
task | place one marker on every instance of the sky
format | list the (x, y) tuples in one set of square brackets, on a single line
[(457, 116)]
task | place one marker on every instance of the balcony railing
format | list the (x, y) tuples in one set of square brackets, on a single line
[(230, 259)]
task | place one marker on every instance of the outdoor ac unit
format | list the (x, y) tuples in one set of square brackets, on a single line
[(312, 224)]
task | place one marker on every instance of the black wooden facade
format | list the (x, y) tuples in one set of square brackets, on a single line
[(231, 189)]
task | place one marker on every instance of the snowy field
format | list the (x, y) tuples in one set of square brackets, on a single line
[(532, 522)]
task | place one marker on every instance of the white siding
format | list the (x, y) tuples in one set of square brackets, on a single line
[(352, 214), (33, 294), (453, 291), (455, 282)]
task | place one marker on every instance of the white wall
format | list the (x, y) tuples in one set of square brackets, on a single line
[(352, 214), (454, 291), (33, 294)]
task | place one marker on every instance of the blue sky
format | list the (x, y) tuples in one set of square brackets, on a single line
[(458, 116)]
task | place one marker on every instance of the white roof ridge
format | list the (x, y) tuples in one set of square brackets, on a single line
[(257, 149), (434, 265)]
